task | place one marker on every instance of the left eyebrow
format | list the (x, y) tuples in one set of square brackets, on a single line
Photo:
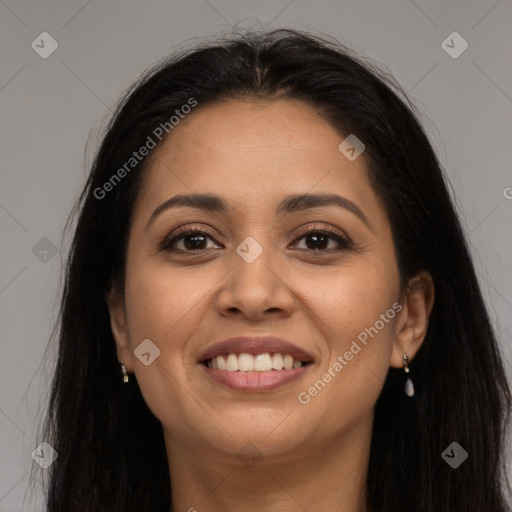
[(291, 204), (302, 202)]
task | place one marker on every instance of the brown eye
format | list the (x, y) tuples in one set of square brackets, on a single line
[(191, 240), (318, 240)]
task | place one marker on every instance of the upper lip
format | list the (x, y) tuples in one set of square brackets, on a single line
[(255, 346)]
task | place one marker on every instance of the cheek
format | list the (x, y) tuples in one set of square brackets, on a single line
[(355, 310), (346, 300), (165, 307), (162, 305), (163, 301)]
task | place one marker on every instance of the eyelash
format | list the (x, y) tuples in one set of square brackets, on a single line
[(343, 241)]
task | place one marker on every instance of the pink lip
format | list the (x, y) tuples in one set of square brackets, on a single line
[(255, 346), (255, 381)]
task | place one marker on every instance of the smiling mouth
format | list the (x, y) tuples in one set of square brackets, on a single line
[(264, 362)]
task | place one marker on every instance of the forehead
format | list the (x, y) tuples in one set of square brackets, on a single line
[(254, 153)]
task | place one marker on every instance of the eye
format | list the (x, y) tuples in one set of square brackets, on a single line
[(192, 239), (317, 239)]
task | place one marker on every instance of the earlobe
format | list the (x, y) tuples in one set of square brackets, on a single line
[(412, 323), (118, 324)]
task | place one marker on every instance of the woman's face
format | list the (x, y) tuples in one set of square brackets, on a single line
[(253, 272)]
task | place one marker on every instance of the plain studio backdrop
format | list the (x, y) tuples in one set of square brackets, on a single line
[(64, 65)]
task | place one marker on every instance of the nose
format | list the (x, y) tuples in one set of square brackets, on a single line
[(256, 289)]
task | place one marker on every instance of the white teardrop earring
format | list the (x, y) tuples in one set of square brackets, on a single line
[(125, 375), (409, 386)]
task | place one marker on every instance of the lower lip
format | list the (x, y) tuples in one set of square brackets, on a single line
[(255, 381)]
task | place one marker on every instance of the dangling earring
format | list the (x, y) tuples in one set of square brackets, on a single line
[(125, 375), (409, 386)]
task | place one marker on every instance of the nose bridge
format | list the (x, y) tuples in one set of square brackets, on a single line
[(254, 235), (254, 258), (254, 283)]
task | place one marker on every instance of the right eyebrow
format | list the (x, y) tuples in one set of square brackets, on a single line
[(208, 202)]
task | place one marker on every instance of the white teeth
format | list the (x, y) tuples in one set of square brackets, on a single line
[(221, 363), (288, 362), (245, 363), (232, 363), (277, 362), (261, 363)]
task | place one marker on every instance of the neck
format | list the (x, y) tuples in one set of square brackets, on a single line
[(317, 477)]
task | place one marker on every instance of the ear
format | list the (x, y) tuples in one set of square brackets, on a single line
[(412, 321), (118, 324)]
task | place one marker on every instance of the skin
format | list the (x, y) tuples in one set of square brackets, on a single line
[(312, 457)]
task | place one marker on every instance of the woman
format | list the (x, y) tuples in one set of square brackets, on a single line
[(270, 303)]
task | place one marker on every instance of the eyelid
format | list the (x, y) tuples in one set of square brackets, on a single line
[(322, 227), (192, 229)]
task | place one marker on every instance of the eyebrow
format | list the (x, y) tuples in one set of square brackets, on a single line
[(291, 204)]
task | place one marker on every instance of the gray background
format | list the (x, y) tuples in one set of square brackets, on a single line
[(49, 107)]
